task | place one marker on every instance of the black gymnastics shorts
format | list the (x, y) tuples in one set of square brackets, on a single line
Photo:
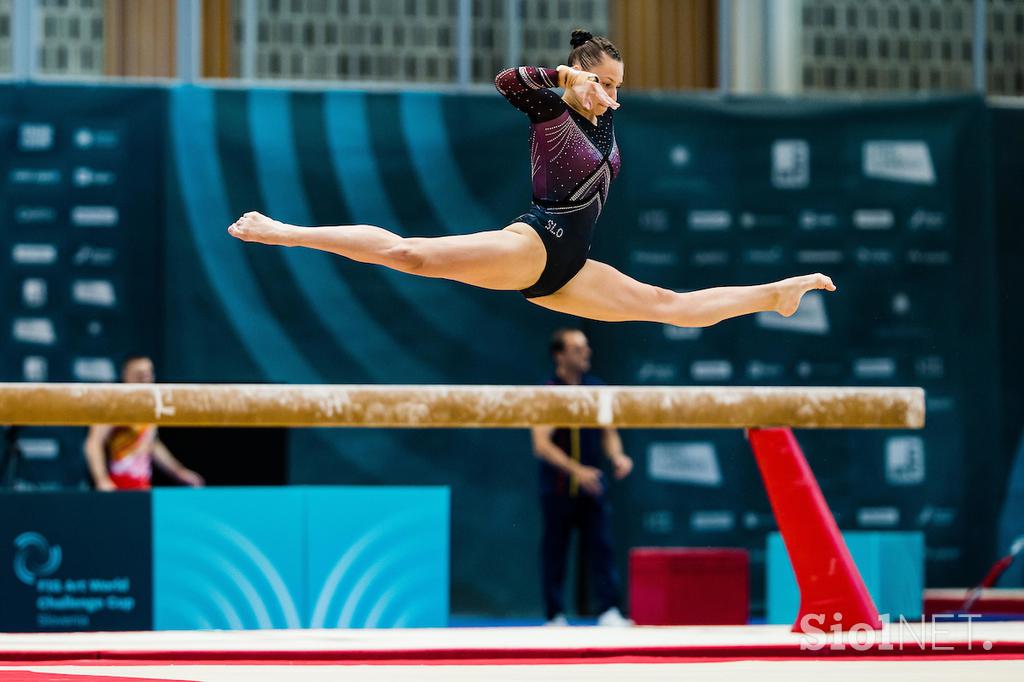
[(566, 232)]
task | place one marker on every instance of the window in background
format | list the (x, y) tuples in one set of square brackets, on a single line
[(489, 39), (1005, 48), (360, 40), (546, 27), (404, 40), (70, 37), (542, 29), (887, 45), (6, 56)]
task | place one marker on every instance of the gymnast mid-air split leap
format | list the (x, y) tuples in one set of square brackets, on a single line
[(544, 253)]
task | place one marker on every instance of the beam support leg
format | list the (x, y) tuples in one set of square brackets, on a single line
[(832, 591)]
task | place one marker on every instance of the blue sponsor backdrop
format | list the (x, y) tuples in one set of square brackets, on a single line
[(891, 197), (227, 558), (81, 210), (891, 564), (300, 557), (74, 561), (377, 557)]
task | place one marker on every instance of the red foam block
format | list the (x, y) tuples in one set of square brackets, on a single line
[(682, 586)]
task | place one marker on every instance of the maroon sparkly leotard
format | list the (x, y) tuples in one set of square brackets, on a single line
[(573, 163)]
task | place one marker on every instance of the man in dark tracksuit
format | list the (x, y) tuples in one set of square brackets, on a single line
[(572, 494)]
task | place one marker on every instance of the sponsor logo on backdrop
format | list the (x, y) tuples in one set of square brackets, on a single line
[(810, 318), (687, 462), (765, 371), (878, 517), (94, 369), (679, 155), (939, 403), (922, 220), (875, 369), (97, 256), (900, 304), (818, 220), (942, 554), (773, 256), (923, 257), (866, 256), (35, 557), (656, 371), (820, 371), (755, 521), (659, 522), (904, 460), (708, 521), (762, 221), (907, 161), (94, 216), (647, 257), (710, 258), (35, 137), (44, 177), (653, 220), (711, 370), (95, 138), (34, 292), (820, 256), (873, 219), (94, 292), (34, 368), (35, 215), (791, 164), (709, 220), (91, 177), (930, 367), (34, 330), (34, 254), (65, 601), (940, 517), (39, 448)]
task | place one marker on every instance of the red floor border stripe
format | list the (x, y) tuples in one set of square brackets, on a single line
[(29, 676), (632, 660), (594, 655)]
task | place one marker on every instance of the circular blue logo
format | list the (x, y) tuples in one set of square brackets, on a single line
[(35, 557)]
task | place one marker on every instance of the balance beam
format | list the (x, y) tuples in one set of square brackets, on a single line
[(462, 406)]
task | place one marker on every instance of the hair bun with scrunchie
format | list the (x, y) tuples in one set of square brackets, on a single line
[(579, 36)]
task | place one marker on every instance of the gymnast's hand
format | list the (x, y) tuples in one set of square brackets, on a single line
[(256, 227), (588, 90)]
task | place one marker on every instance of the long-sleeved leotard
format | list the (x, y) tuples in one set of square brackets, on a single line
[(573, 163)]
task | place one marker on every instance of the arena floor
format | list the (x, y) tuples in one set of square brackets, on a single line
[(947, 651)]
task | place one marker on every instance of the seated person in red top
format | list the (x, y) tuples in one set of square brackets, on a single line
[(122, 457)]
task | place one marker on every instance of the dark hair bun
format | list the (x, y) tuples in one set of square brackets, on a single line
[(579, 36)]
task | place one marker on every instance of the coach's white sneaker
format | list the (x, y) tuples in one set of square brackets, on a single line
[(559, 621), (613, 618)]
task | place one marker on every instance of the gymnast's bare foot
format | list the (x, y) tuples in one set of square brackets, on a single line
[(790, 291), (256, 227)]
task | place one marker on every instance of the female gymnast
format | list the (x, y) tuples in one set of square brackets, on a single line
[(544, 253)]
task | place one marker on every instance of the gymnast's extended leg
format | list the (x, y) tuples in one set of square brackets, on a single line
[(600, 292), (513, 259), (508, 259)]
